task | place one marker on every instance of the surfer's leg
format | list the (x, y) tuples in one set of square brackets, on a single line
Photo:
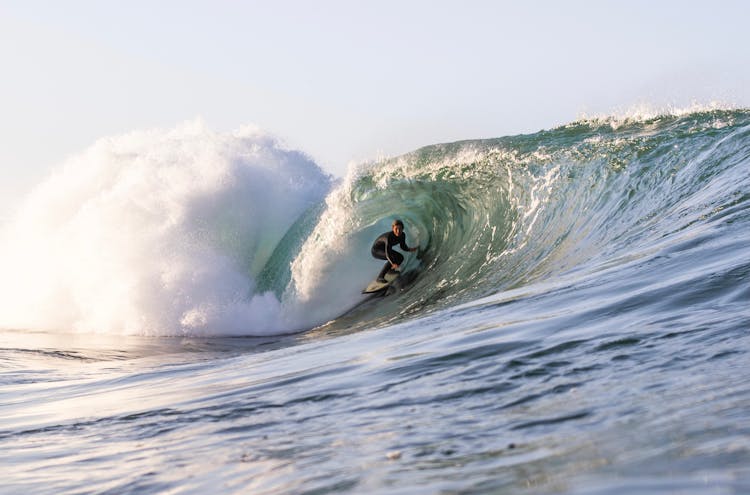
[(381, 275), (396, 257), (380, 254)]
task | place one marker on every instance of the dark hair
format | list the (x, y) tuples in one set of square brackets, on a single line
[(399, 223)]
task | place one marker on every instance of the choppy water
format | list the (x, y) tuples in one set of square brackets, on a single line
[(577, 320)]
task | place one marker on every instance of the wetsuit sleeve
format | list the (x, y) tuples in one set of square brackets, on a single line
[(403, 245)]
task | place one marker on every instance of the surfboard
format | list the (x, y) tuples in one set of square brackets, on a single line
[(376, 286)]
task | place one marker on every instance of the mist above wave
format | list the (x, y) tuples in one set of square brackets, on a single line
[(157, 232)]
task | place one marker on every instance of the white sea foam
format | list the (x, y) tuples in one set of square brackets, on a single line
[(334, 263), (157, 232), (642, 112)]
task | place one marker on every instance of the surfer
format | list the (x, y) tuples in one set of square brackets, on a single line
[(382, 248)]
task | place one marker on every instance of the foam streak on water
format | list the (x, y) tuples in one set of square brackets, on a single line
[(576, 320)]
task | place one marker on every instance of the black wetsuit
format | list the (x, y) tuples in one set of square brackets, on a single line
[(382, 249)]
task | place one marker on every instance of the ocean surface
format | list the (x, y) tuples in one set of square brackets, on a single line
[(181, 313)]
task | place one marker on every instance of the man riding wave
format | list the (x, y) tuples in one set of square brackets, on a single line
[(382, 248)]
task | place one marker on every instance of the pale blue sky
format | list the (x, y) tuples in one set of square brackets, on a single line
[(346, 80)]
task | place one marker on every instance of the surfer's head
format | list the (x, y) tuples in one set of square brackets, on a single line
[(398, 227)]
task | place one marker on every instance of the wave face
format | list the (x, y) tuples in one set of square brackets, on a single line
[(553, 207), (190, 232)]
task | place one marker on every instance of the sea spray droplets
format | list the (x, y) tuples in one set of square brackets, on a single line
[(158, 232)]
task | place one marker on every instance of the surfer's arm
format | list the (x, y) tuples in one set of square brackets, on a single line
[(403, 245), (387, 251)]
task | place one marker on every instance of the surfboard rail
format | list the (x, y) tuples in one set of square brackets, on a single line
[(376, 286)]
